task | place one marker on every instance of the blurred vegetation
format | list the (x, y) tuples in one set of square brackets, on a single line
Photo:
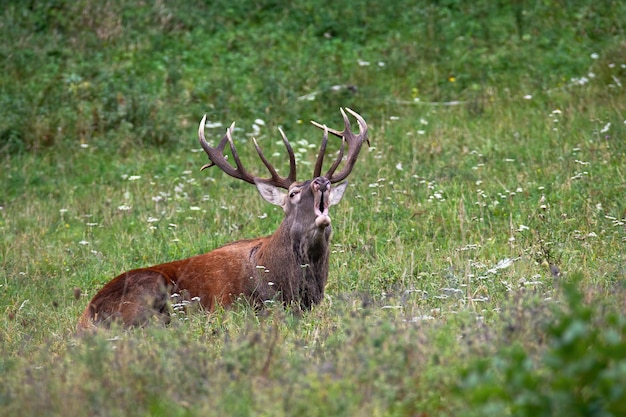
[(130, 73)]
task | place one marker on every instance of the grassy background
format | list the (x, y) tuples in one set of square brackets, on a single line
[(478, 264)]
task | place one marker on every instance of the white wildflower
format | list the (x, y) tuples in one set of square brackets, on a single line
[(212, 125), (606, 128)]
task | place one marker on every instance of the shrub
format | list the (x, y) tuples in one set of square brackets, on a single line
[(581, 373)]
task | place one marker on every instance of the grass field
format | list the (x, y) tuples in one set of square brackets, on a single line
[(478, 254)]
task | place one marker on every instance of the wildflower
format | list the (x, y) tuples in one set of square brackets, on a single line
[(452, 79), (580, 81), (606, 128), (212, 125), (594, 56), (123, 207), (134, 177)]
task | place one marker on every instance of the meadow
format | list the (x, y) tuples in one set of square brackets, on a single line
[(478, 254)]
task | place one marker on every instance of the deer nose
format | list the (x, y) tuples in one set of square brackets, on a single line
[(321, 184)]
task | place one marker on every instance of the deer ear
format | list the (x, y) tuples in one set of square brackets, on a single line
[(270, 193), (336, 192)]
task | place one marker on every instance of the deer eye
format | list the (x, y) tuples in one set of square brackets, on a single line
[(294, 193)]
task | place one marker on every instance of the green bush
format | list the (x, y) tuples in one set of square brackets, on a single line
[(581, 372)]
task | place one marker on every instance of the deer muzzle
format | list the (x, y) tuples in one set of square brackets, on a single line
[(321, 192)]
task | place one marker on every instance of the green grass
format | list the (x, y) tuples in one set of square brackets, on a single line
[(478, 261)]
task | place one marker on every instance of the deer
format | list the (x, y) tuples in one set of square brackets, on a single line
[(289, 266)]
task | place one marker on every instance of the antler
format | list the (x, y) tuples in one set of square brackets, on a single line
[(217, 158), (354, 147)]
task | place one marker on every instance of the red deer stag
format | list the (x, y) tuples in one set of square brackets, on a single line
[(291, 265)]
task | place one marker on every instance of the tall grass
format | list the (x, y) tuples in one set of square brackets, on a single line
[(478, 251)]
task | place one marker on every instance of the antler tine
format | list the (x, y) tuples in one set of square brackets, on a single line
[(216, 155), (324, 127), (292, 158), (354, 145), (217, 158), (320, 156), (337, 161), (277, 180)]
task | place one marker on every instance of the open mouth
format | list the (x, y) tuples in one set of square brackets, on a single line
[(321, 204)]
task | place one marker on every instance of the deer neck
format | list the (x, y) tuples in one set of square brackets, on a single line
[(298, 263), (309, 243)]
